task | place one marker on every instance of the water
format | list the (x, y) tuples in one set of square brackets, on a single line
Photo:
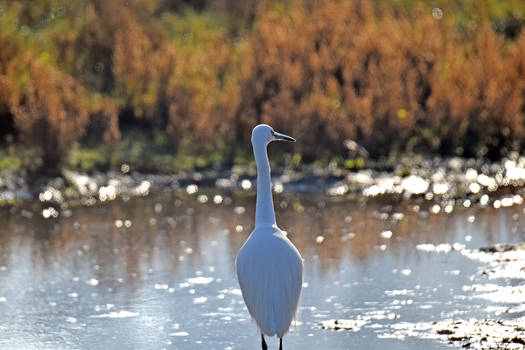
[(158, 272)]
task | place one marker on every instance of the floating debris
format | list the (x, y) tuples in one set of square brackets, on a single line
[(51, 194), (415, 185), (49, 213), (471, 175), (439, 248), (217, 199), (396, 292), (507, 201), (45, 196), (487, 181), (386, 234), (338, 189), (474, 188), (192, 189), (440, 188), (354, 325), (142, 189), (107, 193), (246, 184)]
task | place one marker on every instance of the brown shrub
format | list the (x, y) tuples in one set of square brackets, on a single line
[(325, 71), (348, 69), (476, 97), (49, 108), (51, 111), (181, 83)]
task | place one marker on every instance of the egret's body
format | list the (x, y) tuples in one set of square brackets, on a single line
[(269, 267)]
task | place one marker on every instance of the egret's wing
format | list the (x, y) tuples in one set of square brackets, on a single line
[(286, 289), (270, 273)]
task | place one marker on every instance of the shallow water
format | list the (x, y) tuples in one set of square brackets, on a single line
[(158, 272)]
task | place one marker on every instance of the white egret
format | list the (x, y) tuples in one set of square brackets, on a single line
[(269, 266)]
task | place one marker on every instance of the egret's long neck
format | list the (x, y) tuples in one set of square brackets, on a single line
[(264, 213)]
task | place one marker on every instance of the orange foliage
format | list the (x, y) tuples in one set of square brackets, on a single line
[(51, 111), (479, 94), (325, 71), (177, 86), (339, 69), (393, 82)]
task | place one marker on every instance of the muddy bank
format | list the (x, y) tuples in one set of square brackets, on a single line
[(470, 334), (444, 183), (500, 279)]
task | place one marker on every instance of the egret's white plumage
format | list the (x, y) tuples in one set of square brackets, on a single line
[(269, 267)]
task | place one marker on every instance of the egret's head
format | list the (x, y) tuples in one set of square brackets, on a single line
[(264, 134)]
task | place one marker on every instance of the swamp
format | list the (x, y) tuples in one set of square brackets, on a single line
[(128, 181)]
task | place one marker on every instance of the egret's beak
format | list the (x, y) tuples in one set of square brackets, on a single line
[(282, 137)]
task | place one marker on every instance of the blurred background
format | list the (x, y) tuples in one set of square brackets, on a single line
[(177, 85)]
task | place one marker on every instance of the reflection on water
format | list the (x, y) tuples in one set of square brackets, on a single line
[(158, 273)]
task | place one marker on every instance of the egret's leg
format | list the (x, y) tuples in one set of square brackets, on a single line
[(264, 346), (280, 343)]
